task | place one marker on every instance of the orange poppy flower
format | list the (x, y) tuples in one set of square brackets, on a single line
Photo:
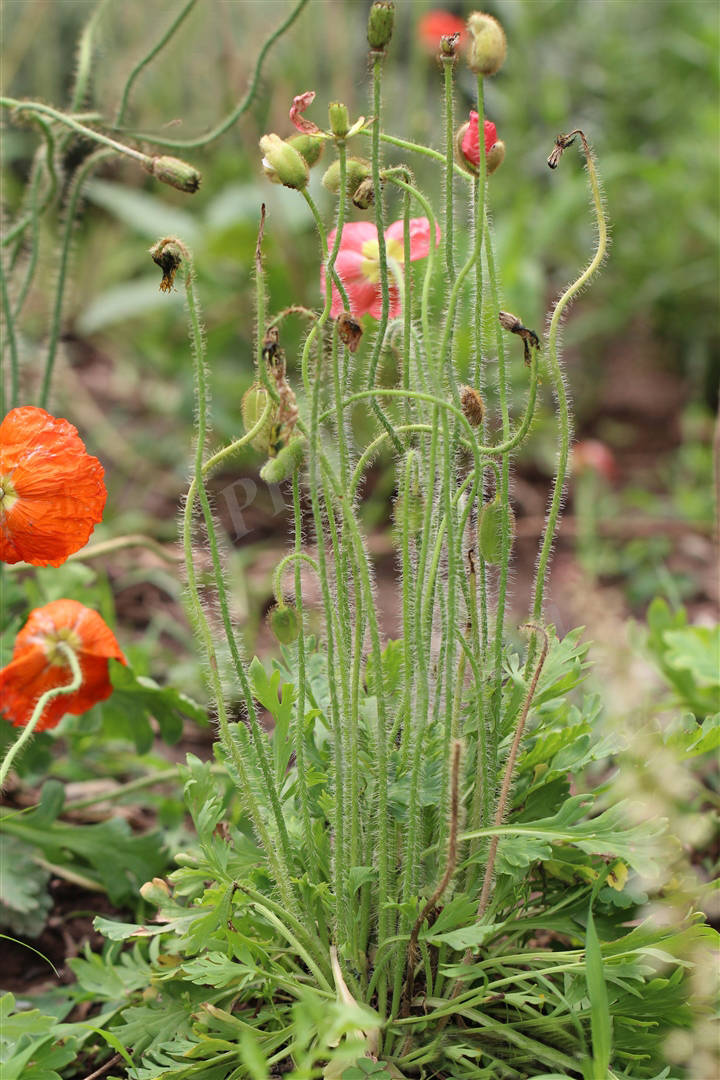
[(52, 493), (37, 665)]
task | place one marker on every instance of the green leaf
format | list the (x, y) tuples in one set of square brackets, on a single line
[(469, 937), (600, 1022), (137, 698), (697, 650), (24, 900)]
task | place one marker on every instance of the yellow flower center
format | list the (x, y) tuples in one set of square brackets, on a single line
[(371, 263), (65, 635), (8, 495)]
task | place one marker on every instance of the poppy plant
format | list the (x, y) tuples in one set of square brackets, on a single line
[(358, 264), (52, 493), (39, 663)]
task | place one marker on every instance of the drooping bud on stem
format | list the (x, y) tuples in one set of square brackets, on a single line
[(357, 170), (283, 465), (380, 24), (488, 44), (285, 624), (254, 403), (178, 174), (282, 163), (490, 530), (308, 146)]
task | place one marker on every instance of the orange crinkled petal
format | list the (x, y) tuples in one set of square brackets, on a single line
[(57, 489), (30, 673)]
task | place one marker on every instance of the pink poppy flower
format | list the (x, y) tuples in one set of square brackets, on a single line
[(300, 103), (591, 455), (471, 139), (358, 264)]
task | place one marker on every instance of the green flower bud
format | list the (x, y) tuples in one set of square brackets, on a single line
[(285, 624), (176, 173), (380, 24), (254, 403), (279, 468), (339, 119), (490, 527), (488, 44), (357, 171), (309, 146), (410, 508), (282, 163), (185, 858)]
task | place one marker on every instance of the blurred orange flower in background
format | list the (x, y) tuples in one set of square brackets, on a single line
[(52, 493), (38, 665), (436, 24)]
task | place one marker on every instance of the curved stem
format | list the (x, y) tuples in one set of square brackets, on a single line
[(148, 58), (43, 700), (559, 383), (75, 125), (242, 106)]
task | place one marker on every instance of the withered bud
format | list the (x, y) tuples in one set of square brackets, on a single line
[(380, 24), (561, 144), (339, 119), (488, 44), (271, 345), (308, 146), (178, 174), (510, 322), (472, 405), (168, 255), (349, 331), (364, 196), (449, 44)]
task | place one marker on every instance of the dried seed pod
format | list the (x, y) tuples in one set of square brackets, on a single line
[(472, 405), (349, 331)]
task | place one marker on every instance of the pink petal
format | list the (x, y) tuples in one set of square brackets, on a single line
[(354, 235), (419, 236), (299, 105)]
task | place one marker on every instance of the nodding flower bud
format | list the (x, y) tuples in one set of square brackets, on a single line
[(490, 530), (254, 404), (178, 174), (380, 24), (488, 44), (339, 119), (283, 465), (364, 196), (285, 624), (357, 170), (309, 146), (282, 163), (472, 405)]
